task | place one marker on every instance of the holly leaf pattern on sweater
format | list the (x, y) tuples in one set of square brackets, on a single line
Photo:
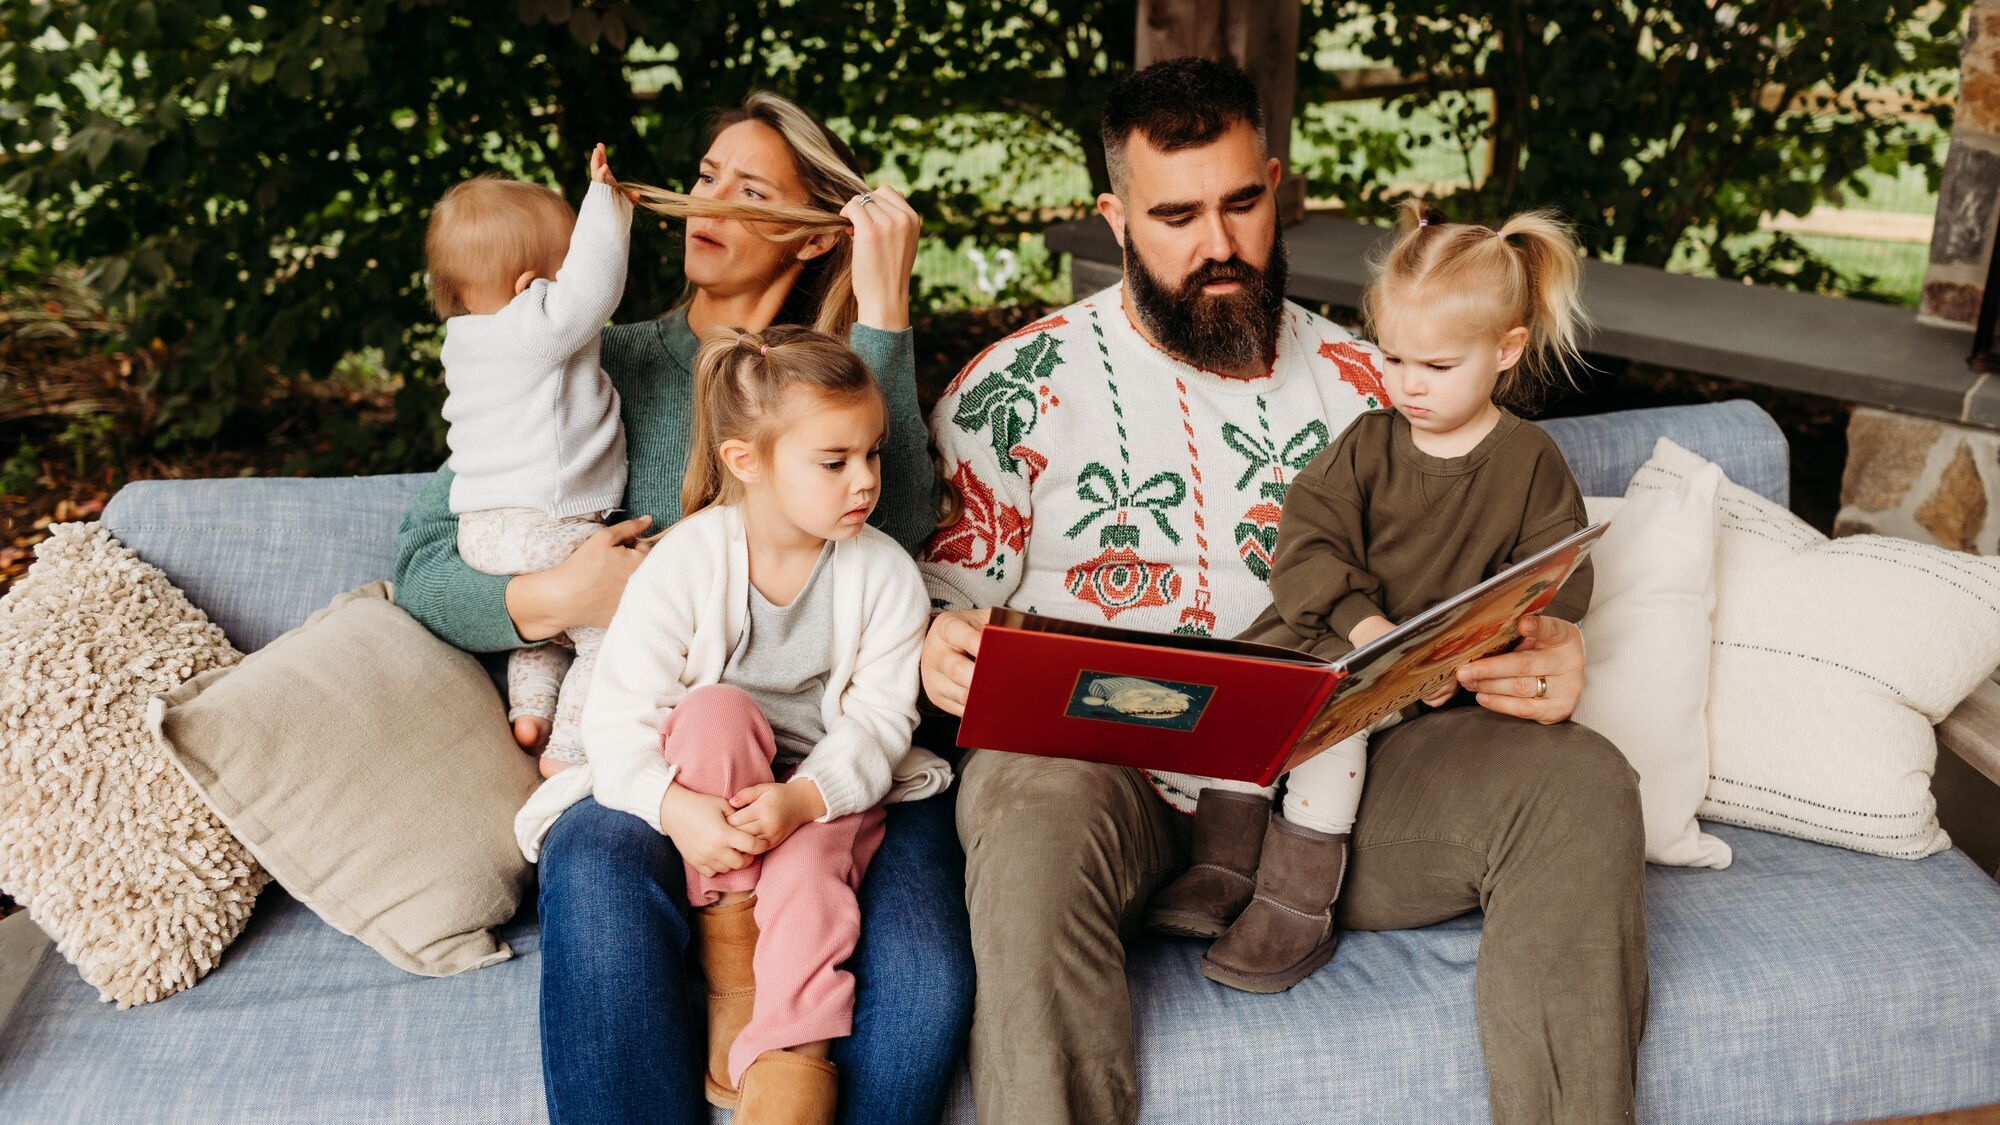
[(1002, 404), (1357, 371)]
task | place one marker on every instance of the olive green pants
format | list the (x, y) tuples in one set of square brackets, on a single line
[(1538, 826)]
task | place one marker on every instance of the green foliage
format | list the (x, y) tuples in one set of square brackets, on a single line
[(92, 440), (249, 182), (1659, 127), (21, 471), (255, 177)]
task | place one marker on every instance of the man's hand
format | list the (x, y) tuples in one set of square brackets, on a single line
[(1551, 653), (949, 650), (584, 588), (699, 826), (772, 811)]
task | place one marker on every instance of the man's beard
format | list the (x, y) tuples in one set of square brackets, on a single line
[(1222, 331)]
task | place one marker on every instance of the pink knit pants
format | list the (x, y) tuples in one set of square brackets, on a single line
[(807, 917)]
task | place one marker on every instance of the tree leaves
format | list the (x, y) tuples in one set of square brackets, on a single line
[(1662, 127)]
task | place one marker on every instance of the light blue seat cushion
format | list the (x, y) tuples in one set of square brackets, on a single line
[(1804, 984)]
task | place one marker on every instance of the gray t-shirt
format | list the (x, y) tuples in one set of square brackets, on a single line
[(783, 658)]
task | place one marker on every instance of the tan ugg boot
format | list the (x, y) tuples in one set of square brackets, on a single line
[(1287, 930), (1228, 839), (781, 1088), (725, 940)]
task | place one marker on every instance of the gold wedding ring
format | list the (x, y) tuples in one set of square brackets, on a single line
[(1541, 687)]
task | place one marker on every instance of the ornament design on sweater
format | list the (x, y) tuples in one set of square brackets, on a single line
[(1006, 401), (985, 529), (1119, 578), (1357, 371), (1257, 531)]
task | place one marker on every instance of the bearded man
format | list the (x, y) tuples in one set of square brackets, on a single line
[(1125, 460)]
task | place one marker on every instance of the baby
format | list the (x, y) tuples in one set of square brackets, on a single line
[(537, 451)]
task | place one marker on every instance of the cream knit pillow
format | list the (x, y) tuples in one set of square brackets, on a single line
[(1832, 660), (101, 838), (1646, 646)]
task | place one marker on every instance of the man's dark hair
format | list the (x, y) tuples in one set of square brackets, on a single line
[(1176, 104)]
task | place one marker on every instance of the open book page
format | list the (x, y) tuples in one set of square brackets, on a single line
[(1422, 656)]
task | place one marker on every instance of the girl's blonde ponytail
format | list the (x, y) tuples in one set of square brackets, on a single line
[(1556, 319), (1524, 275)]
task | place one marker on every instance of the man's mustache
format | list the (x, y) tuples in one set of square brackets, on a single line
[(1210, 272)]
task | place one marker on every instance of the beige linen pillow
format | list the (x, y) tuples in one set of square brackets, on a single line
[(368, 765), (100, 837)]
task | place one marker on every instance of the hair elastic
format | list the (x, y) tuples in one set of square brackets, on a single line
[(1422, 223), (763, 349)]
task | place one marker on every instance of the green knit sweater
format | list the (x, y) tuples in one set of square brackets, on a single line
[(651, 363)]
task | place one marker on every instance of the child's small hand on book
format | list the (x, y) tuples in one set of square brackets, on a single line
[(1369, 628)]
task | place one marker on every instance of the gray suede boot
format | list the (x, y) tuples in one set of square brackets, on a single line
[(1287, 930), (1228, 835)]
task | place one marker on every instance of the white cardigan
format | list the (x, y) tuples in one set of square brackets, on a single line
[(681, 616)]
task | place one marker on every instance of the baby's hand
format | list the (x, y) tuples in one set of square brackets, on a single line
[(600, 168), (771, 811)]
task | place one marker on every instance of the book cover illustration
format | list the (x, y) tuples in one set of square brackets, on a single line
[(1153, 704)]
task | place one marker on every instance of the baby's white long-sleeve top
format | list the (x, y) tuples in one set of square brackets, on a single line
[(679, 619), (533, 419)]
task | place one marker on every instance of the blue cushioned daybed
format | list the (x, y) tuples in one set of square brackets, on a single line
[(1803, 984)]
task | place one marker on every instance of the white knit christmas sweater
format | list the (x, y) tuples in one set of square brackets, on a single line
[(1106, 480)]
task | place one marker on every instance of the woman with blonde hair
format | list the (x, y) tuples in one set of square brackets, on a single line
[(781, 228)]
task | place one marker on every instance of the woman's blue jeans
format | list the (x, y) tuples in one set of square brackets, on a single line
[(623, 1019)]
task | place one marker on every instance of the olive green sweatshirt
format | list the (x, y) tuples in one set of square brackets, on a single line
[(1375, 525)]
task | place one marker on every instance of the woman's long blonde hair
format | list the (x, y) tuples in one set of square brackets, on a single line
[(824, 295), (740, 382), (1525, 274)]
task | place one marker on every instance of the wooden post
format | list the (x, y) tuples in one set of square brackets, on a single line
[(1262, 37)]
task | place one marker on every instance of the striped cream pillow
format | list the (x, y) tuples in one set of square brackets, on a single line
[(1831, 662)]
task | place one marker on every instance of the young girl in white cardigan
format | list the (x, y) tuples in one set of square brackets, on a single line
[(754, 700)]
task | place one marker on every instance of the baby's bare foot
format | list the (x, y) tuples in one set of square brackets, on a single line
[(531, 732), (551, 767)]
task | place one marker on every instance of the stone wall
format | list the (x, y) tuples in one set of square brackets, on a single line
[(1923, 480), (1969, 196)]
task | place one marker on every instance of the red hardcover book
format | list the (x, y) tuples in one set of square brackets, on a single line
[(1231, 709)]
